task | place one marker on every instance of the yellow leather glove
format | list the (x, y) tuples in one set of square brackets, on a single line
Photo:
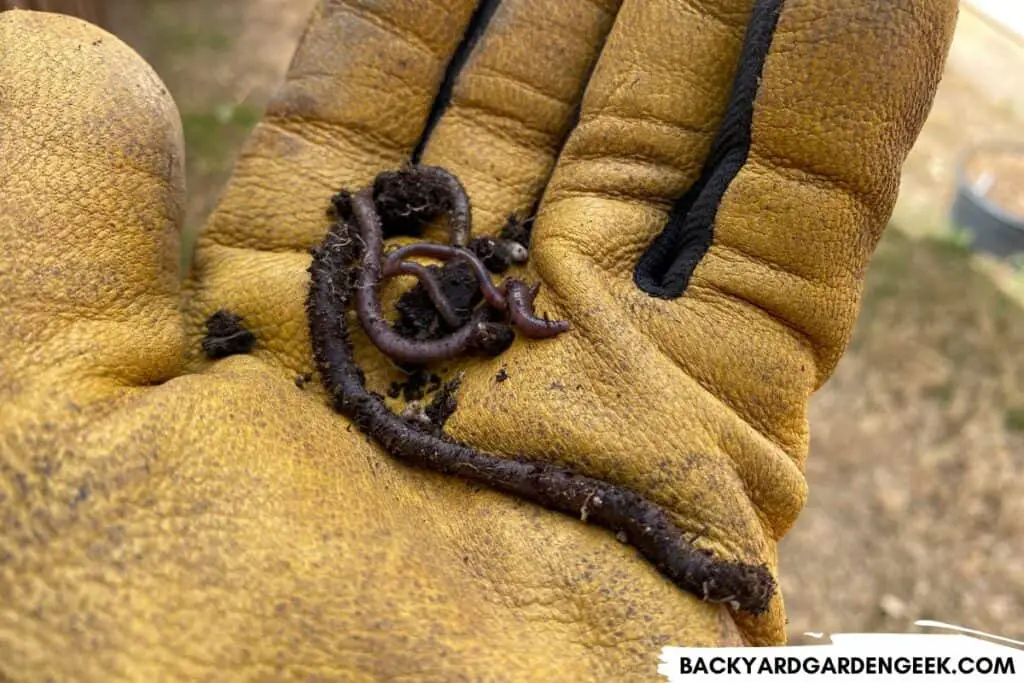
[(711, 177)]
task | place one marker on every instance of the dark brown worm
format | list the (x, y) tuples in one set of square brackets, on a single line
[(474, 335), (442, 252), (456, 204), (335, 279), (369, 309), (520, 309)]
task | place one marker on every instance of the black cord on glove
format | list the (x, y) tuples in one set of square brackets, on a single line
[(664, 270)]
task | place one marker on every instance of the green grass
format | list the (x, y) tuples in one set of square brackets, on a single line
[(1014, 419), (211, 137), (212, 140), (942, 393), (906, 269)]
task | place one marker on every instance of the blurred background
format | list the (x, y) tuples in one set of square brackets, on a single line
[(917, 465)]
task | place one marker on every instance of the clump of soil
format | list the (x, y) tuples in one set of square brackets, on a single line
[(405, 202), (418, 384), (518, 230), (417, 317), (491, 253), (443, 405), (226, 336)]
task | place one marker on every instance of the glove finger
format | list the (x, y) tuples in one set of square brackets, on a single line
[(91, 196), (514, 102), (764, 210), (771, 244), (355, 101)]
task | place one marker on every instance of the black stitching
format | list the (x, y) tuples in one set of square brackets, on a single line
[(664, 270)]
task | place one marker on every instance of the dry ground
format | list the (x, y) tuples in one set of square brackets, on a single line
[(917, 465)]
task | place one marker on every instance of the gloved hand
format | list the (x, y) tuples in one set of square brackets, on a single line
[(712, 178)]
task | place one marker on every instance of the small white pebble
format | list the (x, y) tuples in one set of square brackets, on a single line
[(516, 252), (893, 607)]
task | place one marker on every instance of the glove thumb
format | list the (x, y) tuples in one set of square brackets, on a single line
[(91, 197)]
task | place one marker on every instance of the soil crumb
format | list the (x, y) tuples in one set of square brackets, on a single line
[(418, 384), (443, 405), (226, 336), (417, 317)]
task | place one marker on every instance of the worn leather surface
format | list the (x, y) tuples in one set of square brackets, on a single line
[(164, 517)]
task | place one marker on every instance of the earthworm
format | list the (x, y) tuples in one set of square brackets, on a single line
[(475, 334), (633, 518), (442, 252), (430, 285), (368, 306), (520, 308)]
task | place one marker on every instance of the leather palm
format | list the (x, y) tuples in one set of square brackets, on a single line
[(709, 180)]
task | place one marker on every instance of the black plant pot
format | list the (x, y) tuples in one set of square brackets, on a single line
[(993, 229)]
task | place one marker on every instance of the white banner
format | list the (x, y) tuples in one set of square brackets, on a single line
[(852, 657)]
